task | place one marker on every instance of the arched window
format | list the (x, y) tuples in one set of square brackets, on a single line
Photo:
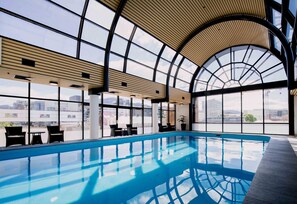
[(242, 89)]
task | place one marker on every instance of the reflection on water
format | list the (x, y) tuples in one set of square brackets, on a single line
[(177, 169)]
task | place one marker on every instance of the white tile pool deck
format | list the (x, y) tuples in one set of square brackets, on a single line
[(276, 177)]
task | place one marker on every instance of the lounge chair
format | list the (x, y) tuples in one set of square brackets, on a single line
[(131, 130), (55, 134), (15, 135), (115, 130), (162, 128)]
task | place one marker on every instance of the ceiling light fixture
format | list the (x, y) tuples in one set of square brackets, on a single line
[(53, 83), (22, 77)]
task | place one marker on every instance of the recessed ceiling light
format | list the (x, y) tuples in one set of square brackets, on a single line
[(77, 86), (53, 83), (22, 77)]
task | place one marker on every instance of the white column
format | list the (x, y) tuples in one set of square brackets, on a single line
[(94, 116), (155, 117)]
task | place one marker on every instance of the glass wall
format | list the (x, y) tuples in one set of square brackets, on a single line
[(232, 112), (70, 109), (260, 111), (58, 27), (232, 92), (166, 113)]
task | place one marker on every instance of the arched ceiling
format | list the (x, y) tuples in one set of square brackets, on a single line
[(172, 21), (222, 35)]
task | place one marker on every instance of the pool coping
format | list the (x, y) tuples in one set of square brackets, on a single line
[(212, 134), (276, 175)]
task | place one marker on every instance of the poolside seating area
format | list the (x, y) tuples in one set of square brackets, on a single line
[(16, 136), (166, 128), (116, 131)]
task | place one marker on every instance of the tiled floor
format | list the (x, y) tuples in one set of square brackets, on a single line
[(276, 177)]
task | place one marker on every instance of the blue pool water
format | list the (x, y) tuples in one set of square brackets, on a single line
[(166, 168)]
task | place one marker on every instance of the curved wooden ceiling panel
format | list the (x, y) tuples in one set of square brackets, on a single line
[(223, 35), (171, 21)]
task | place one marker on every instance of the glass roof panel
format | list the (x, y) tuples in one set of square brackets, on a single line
[(139, 54), (189, 66), (224, 57), (239, 70), (178, 59), (92, 54), (116, 62), (139, 70), (171, 80), (231, 84), (293, 7), (224, 73), (200, 86), (24, 31), (186, 76), (124, 28), (182, 85), (73, 5), (46, 13), (277, 43), (253, 56), (119, 45), (168, 53), (214, 83), (268, 63), (239, 55), (173, 70), (275, 74), (276, 16), (94, 34), (251, 77), (289, 33), (163, 66), (212, 65), (161, 77), (240, 73), (262, 60), (99, 14), (147, 41), (204, 75)]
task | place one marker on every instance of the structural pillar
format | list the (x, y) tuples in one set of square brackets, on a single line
[(94, 116), (155, 117)]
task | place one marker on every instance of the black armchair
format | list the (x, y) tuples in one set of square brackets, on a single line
[(55, 134), (14, 135), (115, 130), (131, 130), (170, 127), (162, 128)]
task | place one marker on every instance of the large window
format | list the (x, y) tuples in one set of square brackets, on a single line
[(258, 111), (166, 113), (232, 112), (69, 108), (232, 93)]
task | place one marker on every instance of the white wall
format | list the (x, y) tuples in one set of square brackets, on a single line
[(182, 110)]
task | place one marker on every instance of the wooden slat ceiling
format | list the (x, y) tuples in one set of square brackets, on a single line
[(171, 21), (224, 35)]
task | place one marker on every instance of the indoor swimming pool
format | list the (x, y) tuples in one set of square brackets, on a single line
[(177, 167)]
